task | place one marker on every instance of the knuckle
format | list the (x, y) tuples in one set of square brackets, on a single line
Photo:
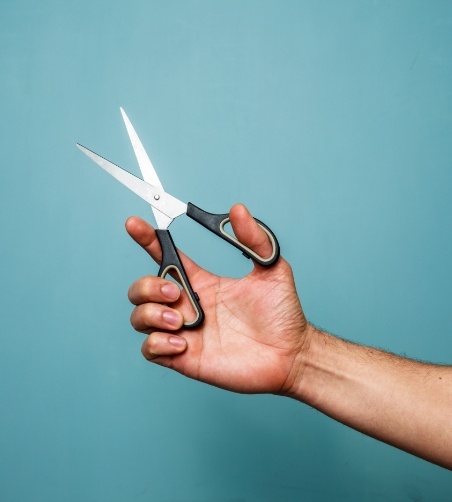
[(149, 348), (130, 293), (142, 290), (151, 344), (145, 350), (133, 319), (146, 317), (147, 288)]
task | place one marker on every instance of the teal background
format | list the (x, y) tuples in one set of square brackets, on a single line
[(331, 120)]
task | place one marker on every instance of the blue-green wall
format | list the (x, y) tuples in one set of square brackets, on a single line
[(331, 120)]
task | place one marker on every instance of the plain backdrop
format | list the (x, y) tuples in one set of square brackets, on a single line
[(330, 120)]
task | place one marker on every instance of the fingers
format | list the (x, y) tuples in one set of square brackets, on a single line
[(148, 317), (150, 294), (248, 231), (145, 235), (161, 345), (153, 289)]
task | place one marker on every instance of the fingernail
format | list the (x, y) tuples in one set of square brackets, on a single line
[(171, 317), (177, 341), (171, 291)]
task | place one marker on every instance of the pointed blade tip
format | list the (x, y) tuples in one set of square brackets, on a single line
[(81, 147)]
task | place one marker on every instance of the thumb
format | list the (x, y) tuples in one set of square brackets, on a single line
[(248, 231)]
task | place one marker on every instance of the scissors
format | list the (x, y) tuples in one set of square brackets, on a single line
[(166, 208)]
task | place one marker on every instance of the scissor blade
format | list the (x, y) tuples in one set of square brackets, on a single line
[(146, 167), (158, 198)]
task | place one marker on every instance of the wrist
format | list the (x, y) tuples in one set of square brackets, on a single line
[(298, 387), (319, 364)]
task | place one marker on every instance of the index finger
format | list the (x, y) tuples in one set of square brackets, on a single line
[(145, 235)]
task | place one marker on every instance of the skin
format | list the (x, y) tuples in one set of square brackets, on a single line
[(256, 339)]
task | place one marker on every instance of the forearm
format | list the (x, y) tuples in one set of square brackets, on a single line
[(405, 403)]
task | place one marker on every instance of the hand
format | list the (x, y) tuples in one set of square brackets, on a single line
[(254, 332)]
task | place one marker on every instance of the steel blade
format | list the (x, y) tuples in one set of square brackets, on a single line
[(158, 198), (147, 169)]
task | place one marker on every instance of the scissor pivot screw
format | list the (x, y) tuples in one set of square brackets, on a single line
[(156, 196)]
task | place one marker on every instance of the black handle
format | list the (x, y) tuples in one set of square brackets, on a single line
[(216, 222), (171, 262)]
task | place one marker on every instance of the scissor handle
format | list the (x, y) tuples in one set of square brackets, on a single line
[(216, 223), (171, 262)]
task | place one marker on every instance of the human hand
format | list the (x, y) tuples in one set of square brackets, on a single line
[(254, 332)]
